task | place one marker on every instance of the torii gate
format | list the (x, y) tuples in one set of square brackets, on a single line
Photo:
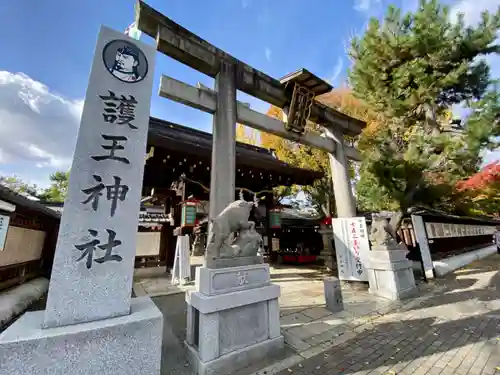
[(294, 93)]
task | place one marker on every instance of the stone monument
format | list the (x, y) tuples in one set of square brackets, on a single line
[(233, 315), (91, 324), (390, 273)]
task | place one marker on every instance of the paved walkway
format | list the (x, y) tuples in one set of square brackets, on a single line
[(305, 323), (453, 329)]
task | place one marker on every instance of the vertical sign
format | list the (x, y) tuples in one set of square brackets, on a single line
[(422, 237), (188, 217), (275, 244), (274, 219), (4, 226), (351, 247), (94, 260)]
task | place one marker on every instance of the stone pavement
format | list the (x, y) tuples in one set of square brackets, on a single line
[(305, 323), (452, 329)]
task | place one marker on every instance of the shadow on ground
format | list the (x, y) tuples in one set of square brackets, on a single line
[(390, 345), (174, 359)]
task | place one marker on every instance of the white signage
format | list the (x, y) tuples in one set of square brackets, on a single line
[(4, 225), (351, 247), (181, 272)]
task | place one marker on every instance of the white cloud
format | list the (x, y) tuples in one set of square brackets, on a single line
[(472, 9), (38, 128), (366, 5), (337, 70), (268, 53)]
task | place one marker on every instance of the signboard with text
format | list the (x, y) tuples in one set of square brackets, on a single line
[(4, 226), (351, 248)]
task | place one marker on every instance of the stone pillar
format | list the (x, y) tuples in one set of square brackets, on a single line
[(344, 199), (222, 176), (91, 325), (223, 169)]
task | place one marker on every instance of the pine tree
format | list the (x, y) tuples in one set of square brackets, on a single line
[(411, 69)]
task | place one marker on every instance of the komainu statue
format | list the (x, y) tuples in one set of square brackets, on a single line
[(383, 230), (231, 234)]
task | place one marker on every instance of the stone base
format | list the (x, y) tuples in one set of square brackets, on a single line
[(390, 274), (129, 344), (233, 318), (237, 359)]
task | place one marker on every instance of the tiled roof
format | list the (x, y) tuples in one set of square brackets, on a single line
[(171, 136), (19, 200)]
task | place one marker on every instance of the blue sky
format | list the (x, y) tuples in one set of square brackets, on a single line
[(52, 42), (276, 37)]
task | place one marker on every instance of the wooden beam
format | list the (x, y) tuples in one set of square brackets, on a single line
[(204, 99), (188, 48)]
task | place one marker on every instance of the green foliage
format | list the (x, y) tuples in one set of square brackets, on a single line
[(411, 69), (58, 189), (422, 58)]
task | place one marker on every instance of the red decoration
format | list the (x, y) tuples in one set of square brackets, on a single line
[(304, 259), (327, 220)]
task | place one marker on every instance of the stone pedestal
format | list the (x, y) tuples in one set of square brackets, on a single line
[(232, 318), (130, 344), (390, 274)]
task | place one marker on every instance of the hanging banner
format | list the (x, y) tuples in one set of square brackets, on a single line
[(351, 248)]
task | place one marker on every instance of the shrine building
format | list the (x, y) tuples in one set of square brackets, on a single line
[(176, 191)]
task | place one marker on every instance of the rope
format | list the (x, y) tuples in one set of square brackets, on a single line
[(241, 189)]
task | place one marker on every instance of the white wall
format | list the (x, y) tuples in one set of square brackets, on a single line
[(22, 245), (148, 244)]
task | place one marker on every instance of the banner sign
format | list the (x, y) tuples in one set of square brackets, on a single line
[(351, 247)]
